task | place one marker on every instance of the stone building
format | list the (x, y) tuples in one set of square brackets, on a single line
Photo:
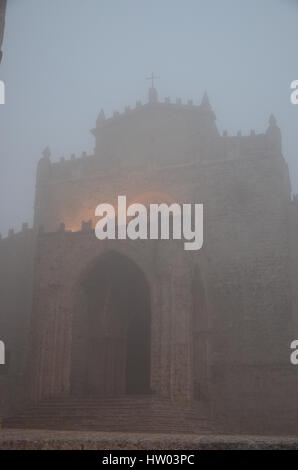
[(143, 335)]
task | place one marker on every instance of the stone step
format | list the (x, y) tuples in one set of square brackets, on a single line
[(142, 414), (154, 427)]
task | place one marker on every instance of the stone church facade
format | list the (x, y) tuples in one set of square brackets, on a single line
[(204, 334)]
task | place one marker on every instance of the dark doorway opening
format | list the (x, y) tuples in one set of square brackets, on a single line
[(111, 330)]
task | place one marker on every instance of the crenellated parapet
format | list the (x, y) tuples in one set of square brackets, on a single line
[(253, 144), (178, 104), (12, 235), (29, 233), (72, 167), (76, 167), (148, 145), (201, 116), (86, 226)]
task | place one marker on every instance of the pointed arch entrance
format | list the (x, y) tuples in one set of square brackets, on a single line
[(111, 330)]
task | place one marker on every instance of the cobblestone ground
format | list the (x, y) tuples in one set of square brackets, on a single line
[(23, 439)]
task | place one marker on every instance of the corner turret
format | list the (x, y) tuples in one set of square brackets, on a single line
[(273, 134), (101, 119), (44, 164), (207, 108)]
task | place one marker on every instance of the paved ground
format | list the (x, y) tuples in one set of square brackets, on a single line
[(23, 439)]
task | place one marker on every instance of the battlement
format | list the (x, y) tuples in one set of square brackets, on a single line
[(263, 144), (243, 146), (121, 143), (102, 120), (86, 226), (66, 168), (22, 234), (27, 232), (74, 167), (157, 141)]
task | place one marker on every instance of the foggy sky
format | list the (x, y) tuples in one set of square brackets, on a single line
[(64, 60)]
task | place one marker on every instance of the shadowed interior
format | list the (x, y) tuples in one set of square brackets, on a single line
[(111, 330)]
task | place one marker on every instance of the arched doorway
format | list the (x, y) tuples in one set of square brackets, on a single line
[(111, 330)]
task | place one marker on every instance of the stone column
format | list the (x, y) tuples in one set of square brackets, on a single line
[(173, 323), (181, 331)]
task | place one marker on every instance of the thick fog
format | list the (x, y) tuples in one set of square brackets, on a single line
[(65, 60)]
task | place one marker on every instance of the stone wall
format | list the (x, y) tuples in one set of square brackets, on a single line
[(16, 287), (63, 258), (247, 268)]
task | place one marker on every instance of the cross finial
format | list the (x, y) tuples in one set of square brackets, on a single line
[(152, 78)]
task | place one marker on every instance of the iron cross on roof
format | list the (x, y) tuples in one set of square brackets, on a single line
[(152, 78)]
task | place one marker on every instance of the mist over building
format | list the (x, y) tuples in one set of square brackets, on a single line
[(201, 336), (141, 335)]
